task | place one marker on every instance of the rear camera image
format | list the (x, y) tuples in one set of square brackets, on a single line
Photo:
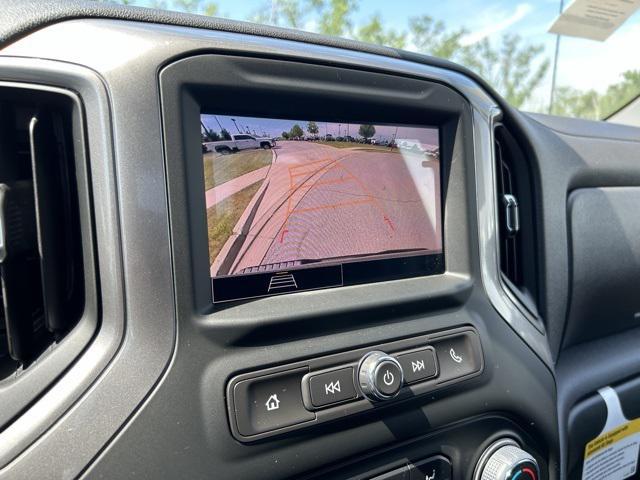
[(287, 194)]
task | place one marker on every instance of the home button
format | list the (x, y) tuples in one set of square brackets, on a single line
[(270, 402)]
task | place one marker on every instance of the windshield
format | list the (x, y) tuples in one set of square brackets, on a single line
[(508, 43)]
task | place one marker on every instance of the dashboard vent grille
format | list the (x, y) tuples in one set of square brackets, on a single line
[(516, 220), (40, 244)]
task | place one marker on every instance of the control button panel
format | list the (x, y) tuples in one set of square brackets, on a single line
[(269, 403), (435, 468), (401, 473), (438, 468), (318, 390), (419, 365), (332, 387), (456, 356), (505, 460), (380, 376)]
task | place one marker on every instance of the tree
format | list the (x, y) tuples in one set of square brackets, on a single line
[(593, 105), (224, 133), (211, 136), (285, 13), (374, 32), (285, 135), (312, 128), (572, 102), (201, 7), (367, 131), (621, 93), (335, 16), (296, 131), (513, 69), (432, 37)]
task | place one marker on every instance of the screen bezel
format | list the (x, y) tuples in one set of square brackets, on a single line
[(188, 88), (370, 267)]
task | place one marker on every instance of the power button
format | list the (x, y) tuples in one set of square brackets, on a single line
[(380, 376), (388, 377)]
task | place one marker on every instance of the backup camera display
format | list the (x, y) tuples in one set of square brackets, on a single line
[(305, 204)]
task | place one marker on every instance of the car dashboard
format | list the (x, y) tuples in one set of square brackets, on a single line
[(501, 353)]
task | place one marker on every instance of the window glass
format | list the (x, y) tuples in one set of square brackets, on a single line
[(507, 43)]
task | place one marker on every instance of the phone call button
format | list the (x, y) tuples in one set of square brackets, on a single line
[(458, 355)]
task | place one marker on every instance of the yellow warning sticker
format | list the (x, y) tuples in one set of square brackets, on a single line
[(613, 455), (614, 436)]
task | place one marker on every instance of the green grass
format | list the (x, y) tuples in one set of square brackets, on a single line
[(359, 146), (223, 216), (222, 168)]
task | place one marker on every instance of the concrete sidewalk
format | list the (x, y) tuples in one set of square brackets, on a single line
[(217, 194)]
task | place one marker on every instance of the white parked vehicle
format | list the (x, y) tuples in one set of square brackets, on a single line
[(410, 145), (238, 142)]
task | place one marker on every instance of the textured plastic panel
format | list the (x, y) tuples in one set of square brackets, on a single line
[(605, 262), (88, 426), (217, 343), (186, 413)]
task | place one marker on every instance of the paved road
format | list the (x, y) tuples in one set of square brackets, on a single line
[(324, 202)]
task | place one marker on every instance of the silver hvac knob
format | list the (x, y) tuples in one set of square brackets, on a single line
[(380, 376), (505, 460)]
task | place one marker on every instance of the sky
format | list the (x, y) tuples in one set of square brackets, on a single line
[(275, 127), (582, 64)]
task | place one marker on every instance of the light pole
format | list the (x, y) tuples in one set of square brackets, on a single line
[(555, 65), (234, 122)]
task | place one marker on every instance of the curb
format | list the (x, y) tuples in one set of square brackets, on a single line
[(233, 245)]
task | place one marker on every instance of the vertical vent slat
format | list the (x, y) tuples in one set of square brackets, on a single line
[(20, 272), (40, 242), (509, 247), (516, 224)]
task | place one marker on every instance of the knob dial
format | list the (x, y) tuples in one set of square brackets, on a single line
[(505, 460), (380, 376)]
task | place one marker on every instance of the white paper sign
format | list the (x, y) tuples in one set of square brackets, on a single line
[(613, 455), (594, 19)]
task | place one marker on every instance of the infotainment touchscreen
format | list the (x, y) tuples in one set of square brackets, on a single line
[(301, 204)]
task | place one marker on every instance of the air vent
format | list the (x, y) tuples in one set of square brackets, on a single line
[(516, 219), (40, 245)]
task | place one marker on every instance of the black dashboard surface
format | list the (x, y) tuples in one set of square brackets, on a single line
[(161, 408)]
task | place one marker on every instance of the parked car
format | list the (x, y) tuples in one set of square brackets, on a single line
[(328, 137), (411, 145), (239, 142)]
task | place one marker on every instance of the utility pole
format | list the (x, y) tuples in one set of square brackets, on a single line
[(555, 65), (234, 122)]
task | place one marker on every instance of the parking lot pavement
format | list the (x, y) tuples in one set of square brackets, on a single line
[(323, 202)]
